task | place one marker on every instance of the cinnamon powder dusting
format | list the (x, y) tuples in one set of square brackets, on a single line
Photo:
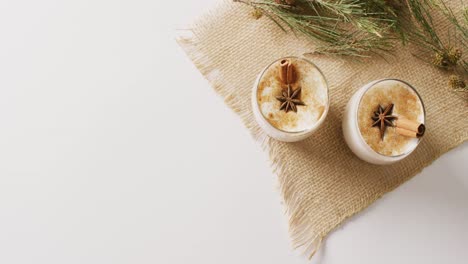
[(314, 94), (406, 103)]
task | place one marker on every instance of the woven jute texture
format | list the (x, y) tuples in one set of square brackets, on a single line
[(322, 182)]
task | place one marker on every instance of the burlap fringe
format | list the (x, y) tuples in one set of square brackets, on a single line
[(304, 237)]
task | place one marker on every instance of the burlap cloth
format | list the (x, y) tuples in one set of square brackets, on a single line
[(322, 182)]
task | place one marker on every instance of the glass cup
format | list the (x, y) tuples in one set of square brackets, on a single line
[(395, 147), (290, 126)]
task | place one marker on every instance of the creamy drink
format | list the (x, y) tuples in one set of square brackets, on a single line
[(290, 99), (384, 121)]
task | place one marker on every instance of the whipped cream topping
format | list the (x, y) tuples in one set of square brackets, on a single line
[(314, 93), (406, 104)]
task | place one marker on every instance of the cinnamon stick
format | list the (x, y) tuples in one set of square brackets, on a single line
[(283, 71), (287, 72), (406, 132), (414, 126)]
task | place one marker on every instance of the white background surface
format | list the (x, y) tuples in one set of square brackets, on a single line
[(114, 149)]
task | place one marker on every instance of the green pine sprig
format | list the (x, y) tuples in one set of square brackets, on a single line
[(362, 28)]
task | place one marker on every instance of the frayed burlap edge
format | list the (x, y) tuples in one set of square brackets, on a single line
[(302, 233)]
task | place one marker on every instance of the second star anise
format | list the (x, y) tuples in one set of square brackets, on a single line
[(383, 118), (290, 99)]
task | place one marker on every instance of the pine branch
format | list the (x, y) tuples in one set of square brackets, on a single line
[(329, 22)]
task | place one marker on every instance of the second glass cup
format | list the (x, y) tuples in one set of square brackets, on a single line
[(384, 121)]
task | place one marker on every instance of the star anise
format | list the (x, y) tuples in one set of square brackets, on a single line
[(383, 118), (290, 99)]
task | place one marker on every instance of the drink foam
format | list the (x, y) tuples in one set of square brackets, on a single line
[(314, 93), (406, 103)]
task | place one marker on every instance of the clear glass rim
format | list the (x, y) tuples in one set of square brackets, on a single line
[(372, 84), (324, 114)]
